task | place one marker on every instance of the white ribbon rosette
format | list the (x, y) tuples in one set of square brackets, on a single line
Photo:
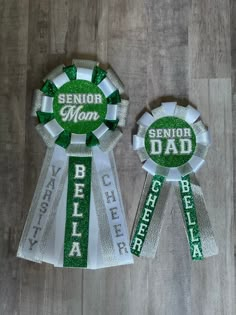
[(77, 217), (172, 144)]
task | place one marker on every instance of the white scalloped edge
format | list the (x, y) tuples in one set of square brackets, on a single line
[(108, 85), (191, 116)]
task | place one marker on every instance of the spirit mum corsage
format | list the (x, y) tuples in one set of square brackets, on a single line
[(172, 143), (77, 217)]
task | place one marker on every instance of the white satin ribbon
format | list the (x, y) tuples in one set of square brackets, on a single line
[(110, 193), (100, 131), (47, 190), (60, 80), (47, 104), (53, 128), (84, 74), (107, 220), (111, 112), (169, 107), (146, 120), (107, 87)]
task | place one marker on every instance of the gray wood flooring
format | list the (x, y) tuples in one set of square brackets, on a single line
[(162, 49)]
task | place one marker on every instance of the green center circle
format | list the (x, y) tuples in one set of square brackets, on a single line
[(170, 142), (79, 106)]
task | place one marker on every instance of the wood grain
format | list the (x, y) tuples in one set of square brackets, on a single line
[(162, 50)]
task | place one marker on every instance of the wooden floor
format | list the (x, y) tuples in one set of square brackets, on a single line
[(162, 49)]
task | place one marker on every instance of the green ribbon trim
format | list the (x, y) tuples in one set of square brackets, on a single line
[(191, 218), (44, 117), (49, 88), (146, 214), (91, 140), (114, 98), (98, 75), (63, 139), (77, 212), (71, 72), (111, 124)]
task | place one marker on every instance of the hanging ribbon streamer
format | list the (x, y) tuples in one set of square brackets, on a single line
[(172, 143), (77, 218)]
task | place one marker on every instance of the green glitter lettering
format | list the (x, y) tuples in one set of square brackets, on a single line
[(191, 218), (77, 212), (146, 214)]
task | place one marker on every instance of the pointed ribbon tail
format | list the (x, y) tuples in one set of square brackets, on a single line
[(77, 212), (95, 234), (112, 242), (197, 224), (44, 204), (150, 216)]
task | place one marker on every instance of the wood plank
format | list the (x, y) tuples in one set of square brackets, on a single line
[(162, 50), (118, 290), (233, 74), (169, 274), (167, 49), (13, 63), (209, 40), (82, 26), (44, 289), (33, 276), (213, 99), (210, 58)]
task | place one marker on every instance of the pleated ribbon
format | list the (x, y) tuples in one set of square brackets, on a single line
[(77, 218), (150, 214)]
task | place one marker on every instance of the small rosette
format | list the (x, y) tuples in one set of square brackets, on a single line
[(172, 142), (81, 106)]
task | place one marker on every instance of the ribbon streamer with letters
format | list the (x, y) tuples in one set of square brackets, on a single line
[(77, 217), (172, 142)]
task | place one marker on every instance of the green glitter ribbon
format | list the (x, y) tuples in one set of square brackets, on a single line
[(71, 106), (146, 214), (172, 141), (114, 98), (44, 117), (63, 139), (191, 218), (77, 213), (98, 75), (49, 88), (71, 72)]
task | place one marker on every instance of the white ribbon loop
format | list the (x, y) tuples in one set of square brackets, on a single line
[(111, 112), (48, 188), (107, 87), (146, 120), (53, 128), (113, 77), (172, 143), (47, 103), (138, 142), (84, 74), (60, 80), (150, 167), (75, 130), (190, 115), (54, 73), (169, 108)]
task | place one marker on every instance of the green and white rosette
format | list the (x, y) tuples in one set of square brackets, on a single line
[(77, 217), (172, 143)]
